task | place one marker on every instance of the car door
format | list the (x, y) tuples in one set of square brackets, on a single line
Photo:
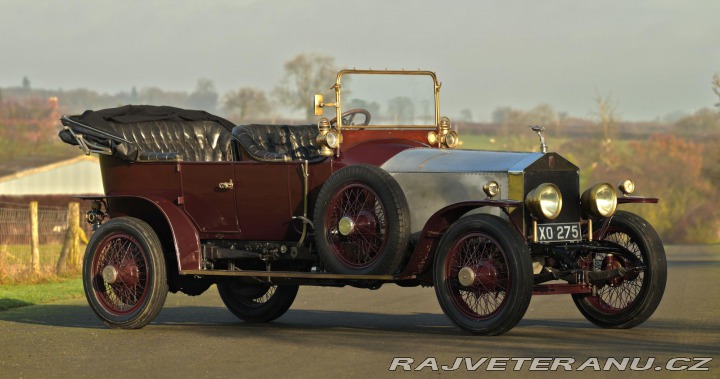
[(209, 197), (268, 195)]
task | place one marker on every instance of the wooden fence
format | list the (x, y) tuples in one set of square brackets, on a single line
[(40, 241)]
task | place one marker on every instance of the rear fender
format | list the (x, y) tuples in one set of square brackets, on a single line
[(436, 226), (167, 220)]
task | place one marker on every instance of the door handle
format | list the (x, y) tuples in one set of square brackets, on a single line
[(226, 185)]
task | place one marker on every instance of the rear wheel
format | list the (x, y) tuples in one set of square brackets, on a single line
[(483, 275), (124, 273), (256, 302), (629, 300)]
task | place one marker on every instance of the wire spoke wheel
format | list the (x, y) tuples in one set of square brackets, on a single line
[(362, 221), (357, 205), (486, 261), (629, 300), (483, 275), (122, 256), (124, 273), (619, 293), (256, 302)]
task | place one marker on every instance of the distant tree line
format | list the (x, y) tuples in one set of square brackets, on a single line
[(305, 74)]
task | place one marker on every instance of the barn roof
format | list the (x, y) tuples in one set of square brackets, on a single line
[(44, 175)]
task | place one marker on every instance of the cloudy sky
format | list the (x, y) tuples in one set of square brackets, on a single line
[(655, 57)]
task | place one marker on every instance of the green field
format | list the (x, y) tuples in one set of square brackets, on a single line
[(20, 287), (20, 295), (13, 255), (525, 143), (15, 264)]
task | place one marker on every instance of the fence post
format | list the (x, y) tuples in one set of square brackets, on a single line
[(65, 252), (70, 253), (74, 225), (34, 238)]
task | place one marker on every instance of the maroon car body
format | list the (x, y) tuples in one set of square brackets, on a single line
[(193, 200)]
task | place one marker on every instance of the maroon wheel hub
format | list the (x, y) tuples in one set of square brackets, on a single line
[(478, 264), (362, 223), (356, 225), (484, 276), (618, 294), (120, 272), (127, 272), (610, 262)]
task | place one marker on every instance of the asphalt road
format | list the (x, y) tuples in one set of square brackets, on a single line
[(346, 332)]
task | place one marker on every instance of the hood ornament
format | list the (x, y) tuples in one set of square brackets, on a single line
[(539, 129)]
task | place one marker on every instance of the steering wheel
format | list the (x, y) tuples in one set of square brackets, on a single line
[(349, 116)]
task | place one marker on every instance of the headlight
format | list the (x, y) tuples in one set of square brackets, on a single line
[(627, 186), (491, 188), (452, 139), (332, 140), (545, 201), (432, 138), (599, 200)]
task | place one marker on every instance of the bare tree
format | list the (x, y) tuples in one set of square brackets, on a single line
[(305, 75), (716, 87), (205, 96), (246, 103), (607, 120), (607, 123), (402, 110), (542, 114), (500, 115)]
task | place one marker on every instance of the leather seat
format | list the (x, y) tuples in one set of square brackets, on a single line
[(279, 143), (204, 141)]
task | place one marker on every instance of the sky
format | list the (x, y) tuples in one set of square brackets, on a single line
[(653, 57)]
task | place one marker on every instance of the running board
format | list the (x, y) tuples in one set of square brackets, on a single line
[(286, 274)]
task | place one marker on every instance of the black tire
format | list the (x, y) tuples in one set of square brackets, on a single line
[(134, 288), (256, 303), (499, 261), (632, 301), (369, 199)]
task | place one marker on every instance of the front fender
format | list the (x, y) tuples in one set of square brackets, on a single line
[(167, 220), (637, 200), (436, 226)]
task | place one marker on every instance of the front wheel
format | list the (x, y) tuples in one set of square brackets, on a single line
[(627, 301), (256, 302), (124, 273), (483, 275)]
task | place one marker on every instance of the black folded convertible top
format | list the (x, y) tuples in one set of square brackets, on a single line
[(141, 113), (136, 132)]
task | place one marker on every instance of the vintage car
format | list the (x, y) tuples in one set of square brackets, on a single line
[(378, 194)]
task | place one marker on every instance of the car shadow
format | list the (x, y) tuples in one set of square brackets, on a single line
[(360, 328), (188, 317), (7, 303)]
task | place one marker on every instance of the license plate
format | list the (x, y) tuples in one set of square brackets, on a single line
[(559, 232)]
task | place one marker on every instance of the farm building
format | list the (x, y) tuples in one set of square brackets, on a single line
[(51, 182), (29, 176)]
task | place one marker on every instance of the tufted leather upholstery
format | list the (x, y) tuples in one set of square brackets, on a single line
[(279, 143), (205, 141)]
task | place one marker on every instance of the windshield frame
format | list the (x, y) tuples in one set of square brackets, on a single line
[(339, 107)]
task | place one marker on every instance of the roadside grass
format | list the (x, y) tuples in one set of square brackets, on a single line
[(15, 264), (19, 286), (13, 255), (21, 295)]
